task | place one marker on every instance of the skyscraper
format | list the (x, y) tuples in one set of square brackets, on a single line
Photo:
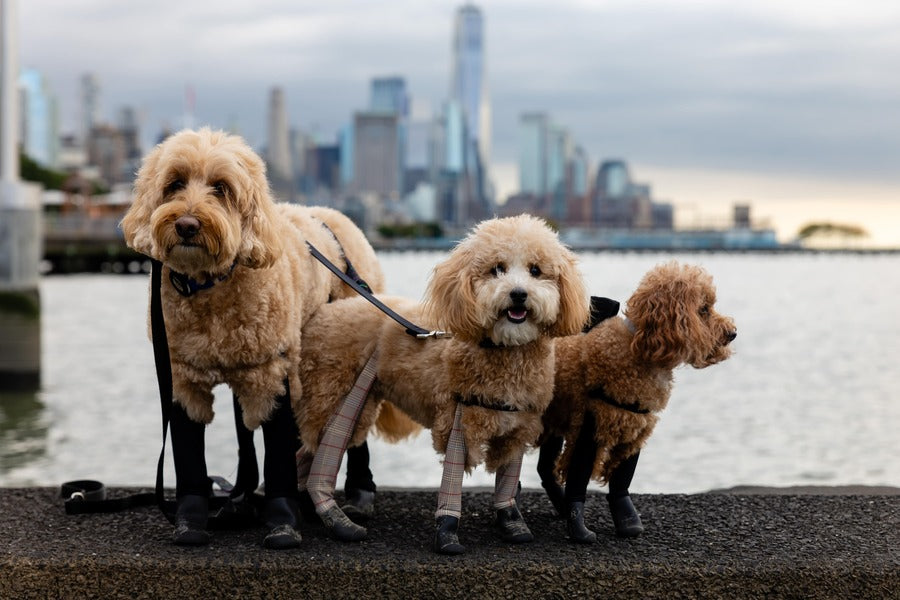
[(129, 128), (618, 202), (454, 127), (613, 179), (38, 112), (533, 153), (90, 105), (579, 175), (469, 85), (419, 156), (469, 90), (346, 142), (388, 94), (376, 165), (278, 150)]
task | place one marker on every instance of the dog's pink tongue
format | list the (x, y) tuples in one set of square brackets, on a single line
[(517, 314)]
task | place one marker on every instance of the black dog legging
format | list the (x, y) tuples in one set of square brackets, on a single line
[(582, 464)]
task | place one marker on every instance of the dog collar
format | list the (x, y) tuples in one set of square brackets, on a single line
[(489, 343), (188, 286), (598, 393)]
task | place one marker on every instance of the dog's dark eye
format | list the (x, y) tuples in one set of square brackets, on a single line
[(704, 310), (220, 189), (534, 270), (498, 269), (174, 186)]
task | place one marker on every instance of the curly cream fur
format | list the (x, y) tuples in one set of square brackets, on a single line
[(675, 322), (468, 296), (245, 330)]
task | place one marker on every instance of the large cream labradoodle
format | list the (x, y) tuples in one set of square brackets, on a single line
[(203, 208), (239, 282)]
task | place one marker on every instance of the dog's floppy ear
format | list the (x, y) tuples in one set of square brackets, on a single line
[(664, 312), (450, 296), (147, 192), (260, 245), (574, 304)]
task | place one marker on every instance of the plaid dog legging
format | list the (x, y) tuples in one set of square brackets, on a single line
[(506, 481), (318, 473)]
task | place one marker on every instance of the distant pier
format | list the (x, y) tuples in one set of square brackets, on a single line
[(75, 243)]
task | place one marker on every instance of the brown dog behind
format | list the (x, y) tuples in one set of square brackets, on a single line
[(612, 382)]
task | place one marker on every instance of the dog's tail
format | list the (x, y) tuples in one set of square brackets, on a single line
[(394, 425)]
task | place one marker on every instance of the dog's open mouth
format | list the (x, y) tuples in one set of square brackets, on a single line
[(516, 315)]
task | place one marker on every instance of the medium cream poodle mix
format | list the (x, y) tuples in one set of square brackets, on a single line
[(503, 294), (614, 380), (238, 284)]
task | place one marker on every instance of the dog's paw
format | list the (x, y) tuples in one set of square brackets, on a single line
[(341, 527)]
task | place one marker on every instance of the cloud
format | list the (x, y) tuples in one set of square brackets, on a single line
[(799, 86)]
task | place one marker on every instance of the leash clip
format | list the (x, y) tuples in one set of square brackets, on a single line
[(77, 496), (436, 334)]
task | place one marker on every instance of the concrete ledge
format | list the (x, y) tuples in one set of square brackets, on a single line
[(720, 545)]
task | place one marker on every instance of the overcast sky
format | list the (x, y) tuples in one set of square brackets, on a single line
[(773, 89)]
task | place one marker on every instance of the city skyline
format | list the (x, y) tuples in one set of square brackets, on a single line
[(798, 97)]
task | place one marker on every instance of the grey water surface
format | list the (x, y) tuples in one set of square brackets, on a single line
[(809, 397)]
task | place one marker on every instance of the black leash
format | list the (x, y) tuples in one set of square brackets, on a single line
[(163, 378), (228, 515), (87, 496), (411, 328)]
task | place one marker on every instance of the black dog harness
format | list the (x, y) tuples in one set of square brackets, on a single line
[(598, 393), (475, 400)]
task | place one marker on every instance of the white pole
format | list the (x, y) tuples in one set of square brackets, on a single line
[(9, 93)]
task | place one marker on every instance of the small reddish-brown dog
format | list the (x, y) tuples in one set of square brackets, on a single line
[(614, 379)]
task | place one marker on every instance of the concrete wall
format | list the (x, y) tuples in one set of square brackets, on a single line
[(21, 240)]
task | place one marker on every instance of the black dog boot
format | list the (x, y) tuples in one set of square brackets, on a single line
[(341, 527), (575, 526), (190, 521), (511, 526), (446, 541), (557, 497), (625, 517), (281, 518), (307, 507), (359, 504)]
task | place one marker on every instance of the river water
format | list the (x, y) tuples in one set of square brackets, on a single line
[(808, 398)]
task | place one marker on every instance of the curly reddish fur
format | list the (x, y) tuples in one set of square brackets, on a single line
[(673, 321)]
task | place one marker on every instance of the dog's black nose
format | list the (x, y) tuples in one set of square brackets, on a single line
[(730, 336), (187, 226), (518, 296)]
